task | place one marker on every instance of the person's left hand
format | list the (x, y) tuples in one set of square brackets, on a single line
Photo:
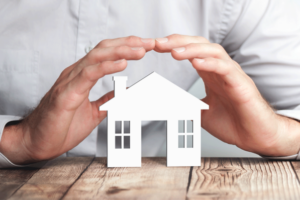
[(237, 114)]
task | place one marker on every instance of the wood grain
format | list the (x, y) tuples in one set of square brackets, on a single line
[(152, 181), (54, 179), (217, 178), (12, 179), (236, 178), (296, 167)]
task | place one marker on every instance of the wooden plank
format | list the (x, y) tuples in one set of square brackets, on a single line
[(12, 179), (54, 179), (152, 181), (296, 167), (248, 178)]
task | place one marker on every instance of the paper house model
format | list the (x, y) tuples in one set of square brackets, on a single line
[(152, 98)]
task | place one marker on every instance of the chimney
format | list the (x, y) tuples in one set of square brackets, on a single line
[(120, 85)]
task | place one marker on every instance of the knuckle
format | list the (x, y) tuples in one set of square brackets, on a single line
[(104, 43), (194, 45), (86, 73), (174, 36), (57, 91), (131, 39), (139, 54), (92, 54), (120, 51), (55, 94), (219, 50), (64, 72), (202, 39), (218, 47), (213, 61)]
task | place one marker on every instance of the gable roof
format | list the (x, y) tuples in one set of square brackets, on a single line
[(155, 89)]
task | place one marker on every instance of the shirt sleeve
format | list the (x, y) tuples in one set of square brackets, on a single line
[(265, 40), (4, 162), (4, 119)]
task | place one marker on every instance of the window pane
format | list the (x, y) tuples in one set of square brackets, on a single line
[(118, 142), (189, 124), (189, 141), (180, 141), (126, 126), (126, 142), (181, 126), (118, 127)]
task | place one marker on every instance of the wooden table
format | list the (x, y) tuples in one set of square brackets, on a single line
[(217, 178)]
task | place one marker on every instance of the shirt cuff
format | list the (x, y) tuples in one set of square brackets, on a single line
[(295, 114), (4, 119), (293, 157), (4, 162)]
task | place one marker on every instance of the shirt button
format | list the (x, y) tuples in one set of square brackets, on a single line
[(88, 49)]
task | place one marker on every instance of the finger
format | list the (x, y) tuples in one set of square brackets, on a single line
[(108, 54), (170, 42), (98, 55), (100, 115), (87, 78), (108, 96), (227, 70), (197, 50), (131, 41)]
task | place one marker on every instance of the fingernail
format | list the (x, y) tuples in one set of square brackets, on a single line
[(136, 48), (162, 40), (199, 60), (146, 40), (179, 50), (118, 61)]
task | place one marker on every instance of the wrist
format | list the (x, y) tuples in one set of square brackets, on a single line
[(12, 145), (287, 139)]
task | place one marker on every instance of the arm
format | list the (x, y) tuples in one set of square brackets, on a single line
[(65, 116)]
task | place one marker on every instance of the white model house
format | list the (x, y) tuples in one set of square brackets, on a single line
[(152, 98)]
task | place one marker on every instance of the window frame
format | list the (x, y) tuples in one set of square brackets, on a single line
[(122, 134), (185, 134)]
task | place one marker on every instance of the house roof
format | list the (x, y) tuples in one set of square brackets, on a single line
[(154, 89)]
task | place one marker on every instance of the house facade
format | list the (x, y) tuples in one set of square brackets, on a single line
[(153, 99)]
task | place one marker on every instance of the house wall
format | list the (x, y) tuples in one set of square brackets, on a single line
[(175, 156)]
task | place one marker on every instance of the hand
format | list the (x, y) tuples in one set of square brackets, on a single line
[(237, 113), (65, 116)]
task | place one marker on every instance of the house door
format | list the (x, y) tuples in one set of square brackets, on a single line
[(183, 143), (124, 143), (154, 136)]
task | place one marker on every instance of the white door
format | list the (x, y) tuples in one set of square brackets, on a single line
[(124, 144), (183, 147)]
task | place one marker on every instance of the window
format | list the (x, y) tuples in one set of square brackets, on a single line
[(185, 134), (122, 134)]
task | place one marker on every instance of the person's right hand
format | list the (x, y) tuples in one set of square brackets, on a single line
[(65, 116)]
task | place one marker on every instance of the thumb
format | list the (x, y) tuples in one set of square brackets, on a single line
[(96, 104)]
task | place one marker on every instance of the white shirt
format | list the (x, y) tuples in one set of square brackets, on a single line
[(38, 39)]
